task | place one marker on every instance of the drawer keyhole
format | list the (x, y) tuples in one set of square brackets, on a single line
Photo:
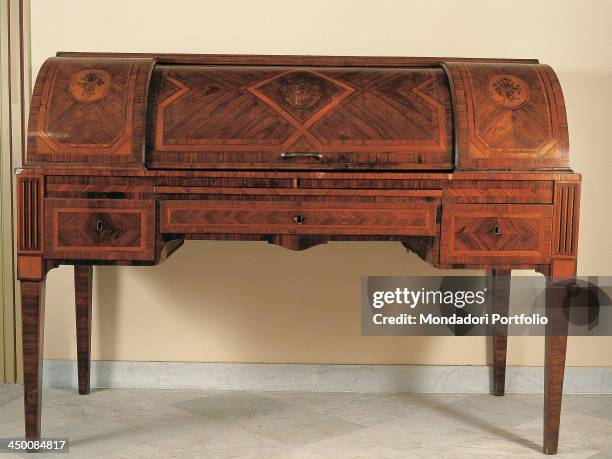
[(299, 219), (496, 231), (98, 225)]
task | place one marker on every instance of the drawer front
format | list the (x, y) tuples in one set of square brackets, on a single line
[(100, 229), (496, 233), (282, 217)]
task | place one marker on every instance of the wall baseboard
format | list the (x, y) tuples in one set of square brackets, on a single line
[(320, 378)]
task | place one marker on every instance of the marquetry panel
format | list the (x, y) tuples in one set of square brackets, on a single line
[(205, 116), (30, 195), (30, 267), (287, 217), (99, 229), (499, 233), (566, 217), (30, 237), (89, 111), (508, 116)]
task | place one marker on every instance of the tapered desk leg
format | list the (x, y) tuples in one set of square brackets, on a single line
[(555, 348), (501, 301), (32, 318), (83, 275)]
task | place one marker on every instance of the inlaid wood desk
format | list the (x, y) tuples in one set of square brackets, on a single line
[(463, 161)]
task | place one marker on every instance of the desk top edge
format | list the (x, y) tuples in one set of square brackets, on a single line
[(561, 175), (306, 60)]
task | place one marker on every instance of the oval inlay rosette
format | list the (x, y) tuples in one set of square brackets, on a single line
[(508, 91), (89, 85), (301, 91)]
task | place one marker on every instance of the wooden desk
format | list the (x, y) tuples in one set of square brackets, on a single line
[(463, 161)]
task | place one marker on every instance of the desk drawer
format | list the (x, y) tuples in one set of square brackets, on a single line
[(329, 216), (500, 233), (100, 229)]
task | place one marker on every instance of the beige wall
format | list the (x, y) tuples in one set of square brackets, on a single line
[(242, 301)]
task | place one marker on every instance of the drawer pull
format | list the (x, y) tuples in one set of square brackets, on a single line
[(301, 155), (98, 225), (299, 219), (496, 231)]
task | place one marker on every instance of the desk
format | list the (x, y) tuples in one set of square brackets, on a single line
[(463, 161)]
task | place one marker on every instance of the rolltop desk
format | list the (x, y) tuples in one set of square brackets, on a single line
[(463, 161)]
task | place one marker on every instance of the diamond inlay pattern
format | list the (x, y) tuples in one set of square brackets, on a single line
[(250, 115), (514, 233), (300, 94)]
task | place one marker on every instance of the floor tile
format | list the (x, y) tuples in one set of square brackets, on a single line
[(134, 423), (10, 392), (593, 405), (271, 418), (363, 409)]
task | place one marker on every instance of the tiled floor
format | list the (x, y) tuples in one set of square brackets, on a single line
[(179, 423)]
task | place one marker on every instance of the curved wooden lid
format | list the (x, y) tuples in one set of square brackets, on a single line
[(508, 116), (89, 111), (271, 112), (292, 117)]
